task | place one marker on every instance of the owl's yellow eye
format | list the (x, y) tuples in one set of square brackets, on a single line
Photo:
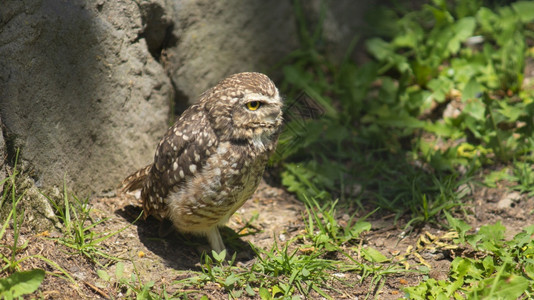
[(253, 105)]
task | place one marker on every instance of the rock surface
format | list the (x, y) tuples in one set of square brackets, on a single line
[(79, 92), (219, 38)]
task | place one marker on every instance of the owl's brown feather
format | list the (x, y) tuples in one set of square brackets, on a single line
[(135, 180), (212, 159), (182, 147)]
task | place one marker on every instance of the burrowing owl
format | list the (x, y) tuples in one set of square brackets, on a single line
[(212, 159)]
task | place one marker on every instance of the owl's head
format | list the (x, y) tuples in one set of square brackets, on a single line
[(245, 107)]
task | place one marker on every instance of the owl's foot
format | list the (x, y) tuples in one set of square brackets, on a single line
[(215, 240)]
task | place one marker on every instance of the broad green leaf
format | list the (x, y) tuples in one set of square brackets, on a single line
[(219, 257), (250, 290), (379, 48), (442, 129), (529, 229), (440, 87), (476, 109), (21, 283), (276, 291), (471, 90), (460, 226), (525, 10), (264, 294), (511, 287), (529, 270), (119, 270), (487, 19), (103, 275), (489, 237), (488, 264), (510, 112), (230, 280), (358, 228), (462, 29), (411, 37), (371, 254), (384, 52), (462, 267)]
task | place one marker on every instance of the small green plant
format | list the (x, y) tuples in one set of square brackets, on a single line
[(277, 273), (520, 175), (20, 282), (78, 231), (325, 231), (287, 270), (503, 270), (131, 286), (15, 218), (374, 266), (222, 271)]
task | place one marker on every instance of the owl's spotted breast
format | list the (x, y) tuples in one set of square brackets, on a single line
[(212, 159), (225, 182)]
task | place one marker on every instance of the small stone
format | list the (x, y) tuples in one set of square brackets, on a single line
[(508, 200)]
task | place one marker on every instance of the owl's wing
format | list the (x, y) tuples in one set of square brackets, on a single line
[(179, 156)]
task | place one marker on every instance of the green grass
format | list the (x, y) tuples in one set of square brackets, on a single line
[(15, 219), (19, 282), (78, 233), (324, 230)]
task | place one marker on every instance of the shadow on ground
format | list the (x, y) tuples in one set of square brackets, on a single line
[(181, 251)]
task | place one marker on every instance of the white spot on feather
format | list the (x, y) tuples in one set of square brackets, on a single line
[(192, 168)]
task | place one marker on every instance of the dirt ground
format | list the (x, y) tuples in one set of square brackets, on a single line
[(275, 214)]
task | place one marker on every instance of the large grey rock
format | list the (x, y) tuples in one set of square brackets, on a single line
[(80, 93), (218, 38)]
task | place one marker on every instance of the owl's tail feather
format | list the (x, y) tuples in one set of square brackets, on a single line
[(135, 181)]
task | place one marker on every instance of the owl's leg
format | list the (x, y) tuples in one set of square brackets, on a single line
[(214, 237)]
